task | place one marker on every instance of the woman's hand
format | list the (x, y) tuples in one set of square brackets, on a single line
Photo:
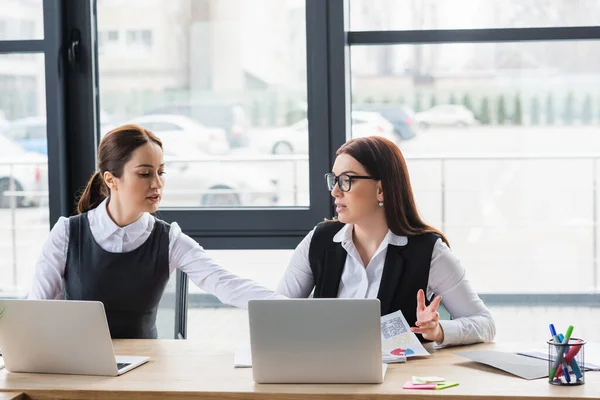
[(428, 318)]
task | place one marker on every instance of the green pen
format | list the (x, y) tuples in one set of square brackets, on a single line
[(445, 385), (561, 352)]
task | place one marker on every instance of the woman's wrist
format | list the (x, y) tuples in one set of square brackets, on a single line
[(439, 335)]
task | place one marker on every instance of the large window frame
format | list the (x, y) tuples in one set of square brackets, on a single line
[(492, 35), (70, 47), (259, 228), (50, 46), (283, 228), (72, 107)]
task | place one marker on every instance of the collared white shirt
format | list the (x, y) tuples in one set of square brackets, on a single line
[(184, 253), (472, 321)]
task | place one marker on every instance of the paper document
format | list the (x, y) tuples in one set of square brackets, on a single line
[(397, 338), (543, 355), (389, 358), (524, 367)]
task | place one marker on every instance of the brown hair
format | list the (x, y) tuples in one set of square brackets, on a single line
[(384, 160), (115, 150)]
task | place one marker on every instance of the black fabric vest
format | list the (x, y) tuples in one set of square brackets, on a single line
[(405, 270), (129, 284)]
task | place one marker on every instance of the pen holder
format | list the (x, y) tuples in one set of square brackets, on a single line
[(566, 362)]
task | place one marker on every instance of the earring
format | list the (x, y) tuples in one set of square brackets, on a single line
[(381, 204)]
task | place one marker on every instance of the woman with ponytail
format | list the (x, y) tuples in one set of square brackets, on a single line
[(115, 251), (379, 247)]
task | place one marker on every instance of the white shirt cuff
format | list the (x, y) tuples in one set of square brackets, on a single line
[(451, 333)]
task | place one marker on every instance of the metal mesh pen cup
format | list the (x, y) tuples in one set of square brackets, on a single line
[(566, 362)]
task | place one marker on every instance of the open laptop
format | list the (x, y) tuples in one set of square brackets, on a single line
[(316, 341), (59, 337)]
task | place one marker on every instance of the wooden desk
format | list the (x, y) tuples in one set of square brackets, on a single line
[(180, 370)]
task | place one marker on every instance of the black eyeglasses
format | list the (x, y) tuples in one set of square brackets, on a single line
[(344, 181)]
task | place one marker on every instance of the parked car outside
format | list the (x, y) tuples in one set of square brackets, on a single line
[(294, 139), (401, 117), (3, 124), (291, 139), (191, 181), (230, 117), (182, 134), (30, 178), (446, 115), (370, 123), (30, 133)]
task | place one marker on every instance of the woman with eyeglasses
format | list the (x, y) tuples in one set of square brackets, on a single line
[(115, 251), (379, 247)]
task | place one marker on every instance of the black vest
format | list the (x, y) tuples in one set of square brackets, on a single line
[(129, 284), (405, 271)]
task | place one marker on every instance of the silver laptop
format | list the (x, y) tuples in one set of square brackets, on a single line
[(316, 341), (59, 337)]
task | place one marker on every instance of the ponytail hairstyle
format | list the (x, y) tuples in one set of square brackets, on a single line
[(115, 150), (94, 193)]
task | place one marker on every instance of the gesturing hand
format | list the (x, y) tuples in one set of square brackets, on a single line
[(428, 318)]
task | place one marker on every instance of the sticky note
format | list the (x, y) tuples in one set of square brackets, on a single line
[(427, 379), (410, 385)]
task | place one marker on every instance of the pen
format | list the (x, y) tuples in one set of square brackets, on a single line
[(570, 359), (572, 362), (562, 366), (559, 357), (553, 332)]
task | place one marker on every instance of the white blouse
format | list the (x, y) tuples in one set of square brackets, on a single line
[(472, 321), (184, 253)]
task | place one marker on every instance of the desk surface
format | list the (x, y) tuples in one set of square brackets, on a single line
[(179, 369)]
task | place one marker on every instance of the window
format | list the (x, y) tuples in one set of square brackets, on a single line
[(222, 71), (133, 37), (3, 29), (37, 132), (109, 41), (498, 151), (24, 212), (27, 29), (146, 38), (235, 90), (160, 126), (139, 39), (18, 90), (366, 15), (206, 322), (27, 129), (112, 36), (101, 40), (21, 20)]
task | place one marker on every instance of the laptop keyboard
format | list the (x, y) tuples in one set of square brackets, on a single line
[(120, 366)]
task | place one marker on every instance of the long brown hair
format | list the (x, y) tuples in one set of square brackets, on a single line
[(115, 150), (384, 160)]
